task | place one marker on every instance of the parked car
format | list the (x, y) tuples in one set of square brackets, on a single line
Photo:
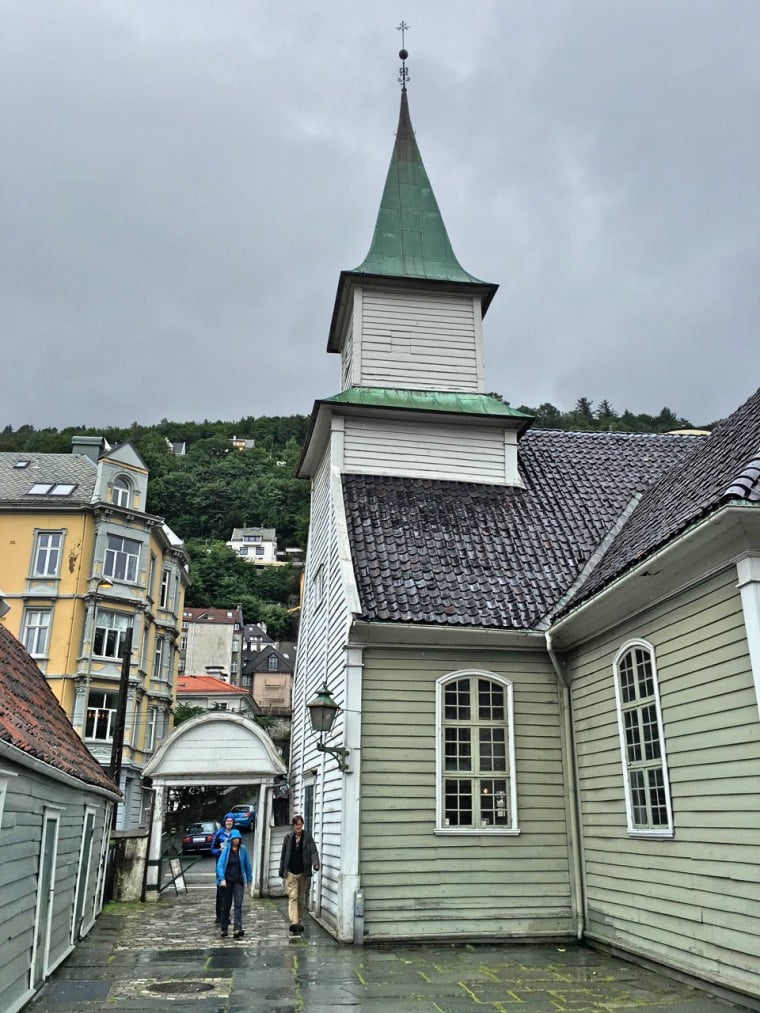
[(198, 836), (244, 816)]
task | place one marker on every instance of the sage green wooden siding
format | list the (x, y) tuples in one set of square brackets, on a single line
[(422, 885), (28, 793), (694, 901)]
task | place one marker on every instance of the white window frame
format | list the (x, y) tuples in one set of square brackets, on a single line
[(273, 663), (318, 586), (108, 696), (632, 766), (114, 626), (121, 492), (48, 549), (120, 563), (4, 775), (150, 730), (36, 636), (474, 774), (166, 581)]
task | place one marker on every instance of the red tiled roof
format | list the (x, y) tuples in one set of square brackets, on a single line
[(32, 720), (206, 684)]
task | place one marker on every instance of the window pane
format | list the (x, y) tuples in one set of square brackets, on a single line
[(457, 700), (493, 802), (632, 736), (458, 802), (493, 749), (457, 749), (490, 700)]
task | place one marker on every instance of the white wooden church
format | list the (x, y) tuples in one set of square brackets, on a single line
[(545, 645)]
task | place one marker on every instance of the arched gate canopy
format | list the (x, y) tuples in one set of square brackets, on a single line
[(215, 748)]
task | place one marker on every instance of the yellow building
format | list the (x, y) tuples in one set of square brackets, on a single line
[(84, 569)]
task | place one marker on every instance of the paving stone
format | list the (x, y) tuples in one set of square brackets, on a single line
[(147, 957)]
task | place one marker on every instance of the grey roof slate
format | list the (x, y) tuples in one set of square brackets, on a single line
[(722, 467), (15, 482), (459, 553)]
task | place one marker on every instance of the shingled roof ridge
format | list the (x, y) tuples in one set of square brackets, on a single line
[(722, 467)]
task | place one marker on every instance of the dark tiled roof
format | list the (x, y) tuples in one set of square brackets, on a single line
[(722, 467), (73, 469), (32, 720), (460, 553)]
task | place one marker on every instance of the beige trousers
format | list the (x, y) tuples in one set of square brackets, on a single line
[(296, 887)]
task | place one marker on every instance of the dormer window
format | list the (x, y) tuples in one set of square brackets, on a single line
[(121, 491)]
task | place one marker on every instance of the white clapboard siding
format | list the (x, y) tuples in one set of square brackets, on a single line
[(321, 658), (430, 450), (420, 340), (418, 884), (694, 901), (347, 360)]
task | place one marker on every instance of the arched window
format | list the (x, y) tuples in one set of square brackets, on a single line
[(642, 742), (476, 791), (121, 491)]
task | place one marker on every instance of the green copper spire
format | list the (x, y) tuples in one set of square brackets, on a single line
[(410, 239)]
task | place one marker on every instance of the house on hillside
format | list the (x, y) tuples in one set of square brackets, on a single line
[(56, 805), (211, 693), (271, 677), (212, 641), (257, 546), (87, 572), (544, 646)]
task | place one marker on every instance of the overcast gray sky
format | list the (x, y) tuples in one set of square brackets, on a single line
[(183, 180)]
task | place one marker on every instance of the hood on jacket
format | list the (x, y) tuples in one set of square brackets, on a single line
[(235, 835)]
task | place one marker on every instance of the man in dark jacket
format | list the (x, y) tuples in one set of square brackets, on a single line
[(298, 859)]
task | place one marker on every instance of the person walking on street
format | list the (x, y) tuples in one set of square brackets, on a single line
[(220, 839), (298, 859), (233, 873)]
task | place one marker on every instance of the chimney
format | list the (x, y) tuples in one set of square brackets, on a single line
[(89, 446)]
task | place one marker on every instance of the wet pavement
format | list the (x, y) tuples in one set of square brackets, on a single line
[(169, 955)]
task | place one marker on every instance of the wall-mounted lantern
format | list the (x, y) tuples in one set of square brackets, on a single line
[(322, 711)]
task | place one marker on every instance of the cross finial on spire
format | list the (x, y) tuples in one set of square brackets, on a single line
[(403, 74)]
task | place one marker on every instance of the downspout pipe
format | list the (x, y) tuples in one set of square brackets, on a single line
[(572, 787)]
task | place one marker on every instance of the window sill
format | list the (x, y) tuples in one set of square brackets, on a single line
[(651, 835), (477, 832)]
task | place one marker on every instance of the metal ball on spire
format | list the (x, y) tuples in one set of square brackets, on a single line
[(403, 74)]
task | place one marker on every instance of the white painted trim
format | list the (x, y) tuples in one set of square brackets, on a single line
[(51, 814), (661, 833), (514, 828), (342, 543), (83, 870), (351, 809), (477, 320), (748, 584), (357, 336)]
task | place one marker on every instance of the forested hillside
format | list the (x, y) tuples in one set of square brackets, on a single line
[(214, 488)]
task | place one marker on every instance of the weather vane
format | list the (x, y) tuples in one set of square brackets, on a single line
[(403, 74)]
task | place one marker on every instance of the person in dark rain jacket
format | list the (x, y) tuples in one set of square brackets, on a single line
[(233, 873), (298, 859)]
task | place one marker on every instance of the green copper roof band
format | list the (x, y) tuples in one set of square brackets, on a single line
[(425, 400)]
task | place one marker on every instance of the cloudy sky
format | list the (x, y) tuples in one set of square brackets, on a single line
[(183, 180)]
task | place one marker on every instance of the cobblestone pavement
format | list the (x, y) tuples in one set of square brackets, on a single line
[(168, 955)]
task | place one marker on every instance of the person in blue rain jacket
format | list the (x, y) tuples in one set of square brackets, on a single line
[(233, 874)]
